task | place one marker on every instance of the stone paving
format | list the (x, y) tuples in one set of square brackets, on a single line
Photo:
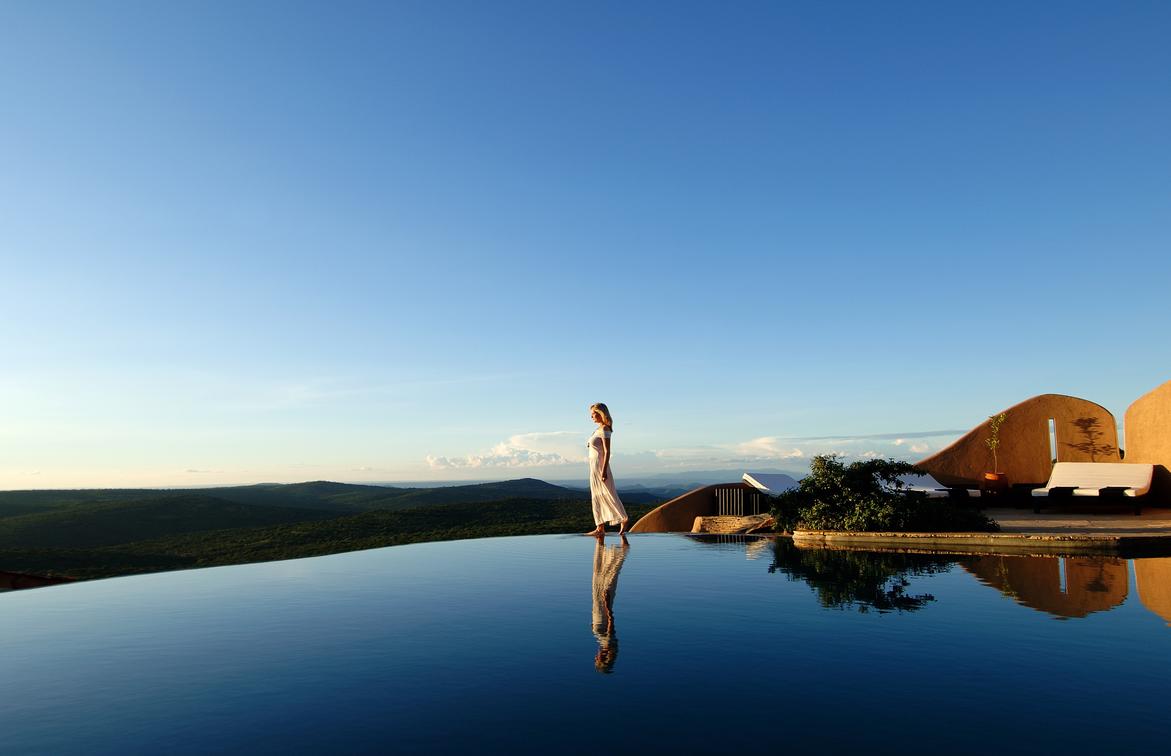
[(1152, 522), (1023, 532)]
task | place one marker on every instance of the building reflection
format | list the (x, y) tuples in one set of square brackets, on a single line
[(1153, 579), (1064, 587)]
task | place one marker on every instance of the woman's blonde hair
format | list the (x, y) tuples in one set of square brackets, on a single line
[(605, 413)]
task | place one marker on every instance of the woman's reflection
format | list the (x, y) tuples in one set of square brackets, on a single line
[(607, 563)]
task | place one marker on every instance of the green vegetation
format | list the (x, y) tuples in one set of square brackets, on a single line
[(102, 534), (859, 579), (993, 440), (107, 524), (868, 496)]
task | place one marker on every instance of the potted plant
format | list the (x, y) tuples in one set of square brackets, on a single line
[(995, 480)]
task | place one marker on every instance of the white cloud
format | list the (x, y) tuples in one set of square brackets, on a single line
[(767, 450), (769, 447), (551, 449), (545, 449)]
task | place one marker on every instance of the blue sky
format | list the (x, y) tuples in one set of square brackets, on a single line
[(250, 242)]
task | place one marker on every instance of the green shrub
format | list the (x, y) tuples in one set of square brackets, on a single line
[(868, 496)]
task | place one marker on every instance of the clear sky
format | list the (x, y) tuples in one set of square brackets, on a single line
[(248, 241)]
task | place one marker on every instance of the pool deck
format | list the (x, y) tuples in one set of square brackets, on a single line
[(1022, 532)]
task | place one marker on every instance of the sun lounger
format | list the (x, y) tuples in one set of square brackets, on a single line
[(1105, 480), (770, 483), (936, 490)]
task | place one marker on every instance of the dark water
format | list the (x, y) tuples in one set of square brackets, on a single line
[(540, 644)]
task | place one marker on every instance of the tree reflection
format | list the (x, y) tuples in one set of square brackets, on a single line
[(863, 580)]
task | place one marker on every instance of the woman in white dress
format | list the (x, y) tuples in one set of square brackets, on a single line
[(603, 497)]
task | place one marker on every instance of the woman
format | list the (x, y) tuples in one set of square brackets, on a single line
[(604, 499)]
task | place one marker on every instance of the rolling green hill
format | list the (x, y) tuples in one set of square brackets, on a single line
[(527, 488), (340, 498), (86, 534), (116, 522), (17, 503), (326, 496)]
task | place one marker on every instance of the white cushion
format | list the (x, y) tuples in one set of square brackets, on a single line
[(1089, 478)]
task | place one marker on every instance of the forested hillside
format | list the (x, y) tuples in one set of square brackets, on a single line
[(86, 534)]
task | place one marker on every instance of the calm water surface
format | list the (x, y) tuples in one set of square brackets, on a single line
[(550, 643)]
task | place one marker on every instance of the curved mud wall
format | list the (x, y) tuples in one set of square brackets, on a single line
[(1153, 578), (1148, 436), (1085, 432), (678, 514)]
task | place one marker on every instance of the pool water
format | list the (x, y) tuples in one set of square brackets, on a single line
[(552, 643)]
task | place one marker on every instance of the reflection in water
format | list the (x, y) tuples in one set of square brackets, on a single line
[(607, 564), (1064, 587), (753, 546), (1153, 578), (861, 579), (15, 581)]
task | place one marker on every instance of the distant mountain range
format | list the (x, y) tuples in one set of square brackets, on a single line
[(670, 485), (662, 485)]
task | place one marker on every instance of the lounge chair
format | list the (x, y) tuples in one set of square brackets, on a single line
[(770, 484), (936, 490), (1105, 480)]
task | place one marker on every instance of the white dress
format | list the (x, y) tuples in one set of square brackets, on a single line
[(604, 499)]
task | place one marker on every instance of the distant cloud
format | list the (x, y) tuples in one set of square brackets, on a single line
[(542, 449), (199, 472), (766, 450), (793, 453), (561, 448), (919, 448), (769, 447), (898, 438)]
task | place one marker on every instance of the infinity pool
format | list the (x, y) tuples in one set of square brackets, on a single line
[(551, 643)]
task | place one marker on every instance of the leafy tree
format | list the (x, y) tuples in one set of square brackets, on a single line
[(868, 495)]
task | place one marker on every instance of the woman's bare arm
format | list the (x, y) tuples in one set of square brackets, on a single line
[(605, 457)]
